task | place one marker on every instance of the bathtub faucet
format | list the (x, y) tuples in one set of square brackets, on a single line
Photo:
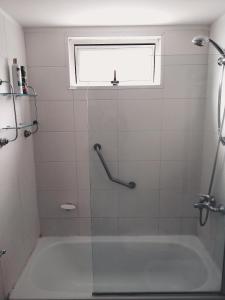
[(207, 203)]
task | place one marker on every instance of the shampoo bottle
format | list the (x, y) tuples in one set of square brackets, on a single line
[(17, 79), (24, 80)]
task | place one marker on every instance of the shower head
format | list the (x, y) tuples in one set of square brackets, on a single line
[(204, 40), (200, 40)]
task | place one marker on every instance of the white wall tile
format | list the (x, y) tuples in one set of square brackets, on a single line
[(104, 226), (137, 226), (81, 115), (186, 81), (131, 145), (136, 204), (51, 83), (173, 175), (83, 177), (104, 203), (45, 49), (169, 226), (170, 204), (176, 115), (102, 115), (174, 145), (189, 226), (82, 145), (102, 94), (188, 209), (140, 115), (85, 227), (56, 116), (84, 203), (55, 146), (56, 175), (182, 59), (60, 227), (140, 93)]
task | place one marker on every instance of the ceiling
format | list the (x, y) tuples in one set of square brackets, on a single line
[(31, 13)]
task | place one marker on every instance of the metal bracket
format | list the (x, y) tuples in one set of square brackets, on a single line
[(3, 142), (2, 252)]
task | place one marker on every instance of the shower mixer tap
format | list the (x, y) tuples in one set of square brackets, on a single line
[(208, 203)]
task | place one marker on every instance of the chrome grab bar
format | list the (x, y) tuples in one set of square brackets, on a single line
[(130, 185)]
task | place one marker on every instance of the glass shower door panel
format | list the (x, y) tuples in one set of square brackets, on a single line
[(146, 238)]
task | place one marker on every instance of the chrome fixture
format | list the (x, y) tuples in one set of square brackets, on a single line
[(2, 252), (115, 82), (4, 141), (204, 40), (35, 123), (207, 202), (130, 185), (29, 128)]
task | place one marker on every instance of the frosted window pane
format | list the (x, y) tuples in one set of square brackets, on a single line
[(132, 63)]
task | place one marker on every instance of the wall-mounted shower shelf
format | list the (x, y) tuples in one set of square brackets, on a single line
[(18, 95), (21, 126), (29, 128), (27, 132)]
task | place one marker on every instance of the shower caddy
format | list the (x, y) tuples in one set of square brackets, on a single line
[(29, 128)]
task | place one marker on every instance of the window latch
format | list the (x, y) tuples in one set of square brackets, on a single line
[(114, 81)]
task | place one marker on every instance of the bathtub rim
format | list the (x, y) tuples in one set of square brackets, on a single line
[(189, 241)]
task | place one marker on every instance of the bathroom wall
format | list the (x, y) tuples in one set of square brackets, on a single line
[(166, 123), (213, 233), (19, 224), (2, 293)]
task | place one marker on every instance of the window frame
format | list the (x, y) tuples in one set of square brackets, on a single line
[(118, 41)]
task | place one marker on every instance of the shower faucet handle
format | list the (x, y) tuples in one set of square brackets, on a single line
[(206, 198)]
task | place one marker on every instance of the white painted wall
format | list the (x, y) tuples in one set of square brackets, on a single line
[(19, 224), (2, 292), (213, 233), (166, 122)]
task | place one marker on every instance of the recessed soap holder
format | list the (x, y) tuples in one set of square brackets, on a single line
[(68, 206)]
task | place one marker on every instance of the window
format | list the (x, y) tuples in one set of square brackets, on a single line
[(121, 63)]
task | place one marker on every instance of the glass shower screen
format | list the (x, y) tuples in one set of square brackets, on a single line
[(148, 164)]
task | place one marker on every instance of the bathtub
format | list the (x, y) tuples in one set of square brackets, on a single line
[(63, 268)]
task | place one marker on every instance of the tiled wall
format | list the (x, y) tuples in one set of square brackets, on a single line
[(213, 233), (19, 224), (152, 136)]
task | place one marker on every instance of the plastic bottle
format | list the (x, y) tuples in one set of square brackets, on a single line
[(24, 80), (16, 76)]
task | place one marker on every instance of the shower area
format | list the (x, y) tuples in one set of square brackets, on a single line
[(129, 170), (151, 205)]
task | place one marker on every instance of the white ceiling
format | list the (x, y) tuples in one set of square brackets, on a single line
[(113, 12)]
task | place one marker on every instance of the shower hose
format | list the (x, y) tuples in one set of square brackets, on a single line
[(203, 217)]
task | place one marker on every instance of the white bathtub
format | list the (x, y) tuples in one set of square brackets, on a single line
[(61, 268)]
